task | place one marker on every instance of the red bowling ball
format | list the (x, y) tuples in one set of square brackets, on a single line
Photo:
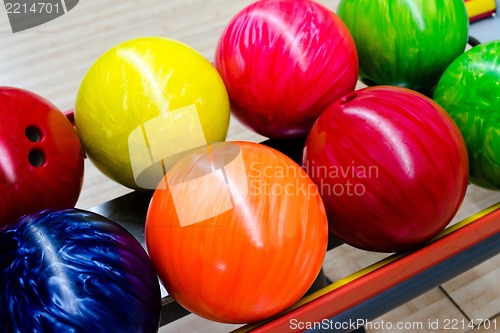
[(391, 166), (284, 62), (41, 159)]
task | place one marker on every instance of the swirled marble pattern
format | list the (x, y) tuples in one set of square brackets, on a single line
[(406, 43), (126, 110), (238, 233), (284, 62), (470, 91), (391, 166), (75, 271)]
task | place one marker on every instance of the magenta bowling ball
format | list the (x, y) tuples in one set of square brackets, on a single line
[(41, 159), (391, 166), (284, 62)]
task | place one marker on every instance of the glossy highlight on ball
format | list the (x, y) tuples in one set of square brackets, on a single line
[(75, 271), (225, 247)]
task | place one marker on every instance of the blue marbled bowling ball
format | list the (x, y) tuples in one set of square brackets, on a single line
[(75, 271)]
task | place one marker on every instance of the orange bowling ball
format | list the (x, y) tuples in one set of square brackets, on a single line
[(237, 232)]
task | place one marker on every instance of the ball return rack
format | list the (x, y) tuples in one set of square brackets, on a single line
[(366, 294)]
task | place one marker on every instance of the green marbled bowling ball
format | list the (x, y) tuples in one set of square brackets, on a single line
[(470, 91), (405, 43)]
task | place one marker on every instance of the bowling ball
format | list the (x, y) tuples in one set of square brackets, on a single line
[(284, 62), (75, 271), (41, 159), (391, 166), (469, 91), (237, 232), (406, 43), (143, 103)]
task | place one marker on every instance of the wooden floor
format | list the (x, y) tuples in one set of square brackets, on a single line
[(52, 59)]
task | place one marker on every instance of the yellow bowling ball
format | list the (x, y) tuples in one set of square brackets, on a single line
[(143, 104)]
